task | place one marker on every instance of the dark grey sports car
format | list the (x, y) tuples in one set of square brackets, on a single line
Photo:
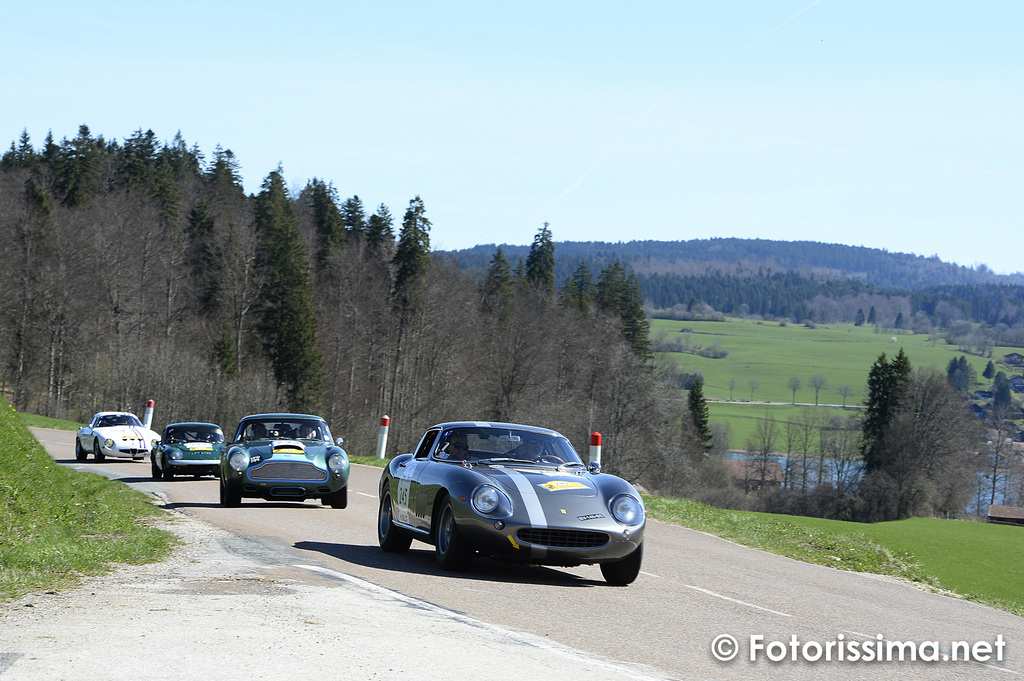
[(511, 492)]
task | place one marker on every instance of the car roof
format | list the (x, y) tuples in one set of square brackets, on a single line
[(281, 416), (495, 424), (114, 413), (191, 424)]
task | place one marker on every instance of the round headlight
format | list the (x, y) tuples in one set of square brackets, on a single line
[(108, 443), (175, 454), (239, 460), (627, 510), (489, 500), (337, 462)]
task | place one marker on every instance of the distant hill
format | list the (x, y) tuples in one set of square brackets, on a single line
[(788, 279), (886, 270)]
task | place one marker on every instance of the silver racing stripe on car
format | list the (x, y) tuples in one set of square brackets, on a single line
[(534, 510)]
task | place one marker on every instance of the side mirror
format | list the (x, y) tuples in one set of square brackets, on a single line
[(340, 441), (595, 467)]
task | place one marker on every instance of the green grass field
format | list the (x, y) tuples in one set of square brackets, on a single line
[(770, 354)]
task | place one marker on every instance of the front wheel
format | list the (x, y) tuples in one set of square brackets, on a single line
[(96, 453), (154, 469), (229, 498), (388, 536), (338, 499), (623, 572), (80, 453), (453, 551)]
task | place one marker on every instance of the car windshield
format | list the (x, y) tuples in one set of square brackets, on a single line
[(118, 420), (503, 444), (193, 434), (284, 429)]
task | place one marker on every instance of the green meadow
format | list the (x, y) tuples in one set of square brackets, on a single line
[(770, 353)]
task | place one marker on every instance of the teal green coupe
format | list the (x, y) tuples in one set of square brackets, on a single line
[(188, 449), (284, 457)]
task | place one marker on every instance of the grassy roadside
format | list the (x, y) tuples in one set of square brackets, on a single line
[(57, 524), (927, 551)]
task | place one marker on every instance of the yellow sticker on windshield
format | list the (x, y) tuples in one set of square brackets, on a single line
[(556, 485)]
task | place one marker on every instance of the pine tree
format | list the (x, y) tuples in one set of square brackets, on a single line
[(78, 167), (698, 407), (354, 217), (498, 286), (285, 304), (618, 294), (540, 263), (579, 292), (380, 231), (886, 386), (412, 256), (327, 219), (990, 370)]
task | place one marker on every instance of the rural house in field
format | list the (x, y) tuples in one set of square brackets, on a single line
[(1016, 383), (1006, 515), (1014, 359), (752, 476)]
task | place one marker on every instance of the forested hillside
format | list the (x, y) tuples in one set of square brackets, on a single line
[(139, 270), (798, 281)]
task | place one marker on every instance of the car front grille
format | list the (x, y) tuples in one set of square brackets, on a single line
[(574, 539), (288, 470)]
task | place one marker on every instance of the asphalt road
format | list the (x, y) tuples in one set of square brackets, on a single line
[(507, 621)]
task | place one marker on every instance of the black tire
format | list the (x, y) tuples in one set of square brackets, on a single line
[(390, 537), (229, 498), (338, 499), (623, 572), (452, 550), (80, 453), (96, 453), (154, 469), (168, 473)]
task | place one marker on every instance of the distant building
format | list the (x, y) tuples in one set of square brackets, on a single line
[(1014, 359), (1006, 515)]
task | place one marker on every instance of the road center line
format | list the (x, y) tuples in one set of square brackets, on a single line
[(726, 598)]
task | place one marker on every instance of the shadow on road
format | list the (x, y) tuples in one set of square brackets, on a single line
[(422, 562)]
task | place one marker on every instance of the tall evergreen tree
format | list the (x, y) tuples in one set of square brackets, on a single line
[(285, 305), (78, 168), (380, 230), (327, 219), (698, 407), (354, 217), (578, 292), (205, 258), (540, 263), (886, 386), (618, 294), (498, 287), (412, 256)]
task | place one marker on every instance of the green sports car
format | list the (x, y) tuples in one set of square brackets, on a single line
[(188, 449), (284, 457)]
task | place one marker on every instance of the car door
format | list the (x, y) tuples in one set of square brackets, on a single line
[(408, 494)]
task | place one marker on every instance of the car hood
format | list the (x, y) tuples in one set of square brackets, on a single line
[(272, 448), (540, 481), (126, 433)]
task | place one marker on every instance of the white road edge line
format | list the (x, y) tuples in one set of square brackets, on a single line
[(726, 598), (505, 634)]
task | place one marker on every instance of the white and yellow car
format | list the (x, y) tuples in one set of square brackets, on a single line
[(119, 434)]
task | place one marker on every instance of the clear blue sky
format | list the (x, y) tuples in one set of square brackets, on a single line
[(888, 124)]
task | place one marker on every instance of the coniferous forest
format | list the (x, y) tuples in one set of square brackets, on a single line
[(140, 269)]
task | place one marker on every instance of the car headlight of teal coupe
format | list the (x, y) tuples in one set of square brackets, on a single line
[(239, 461), (491, 501), (627, 510), (337, 462)]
